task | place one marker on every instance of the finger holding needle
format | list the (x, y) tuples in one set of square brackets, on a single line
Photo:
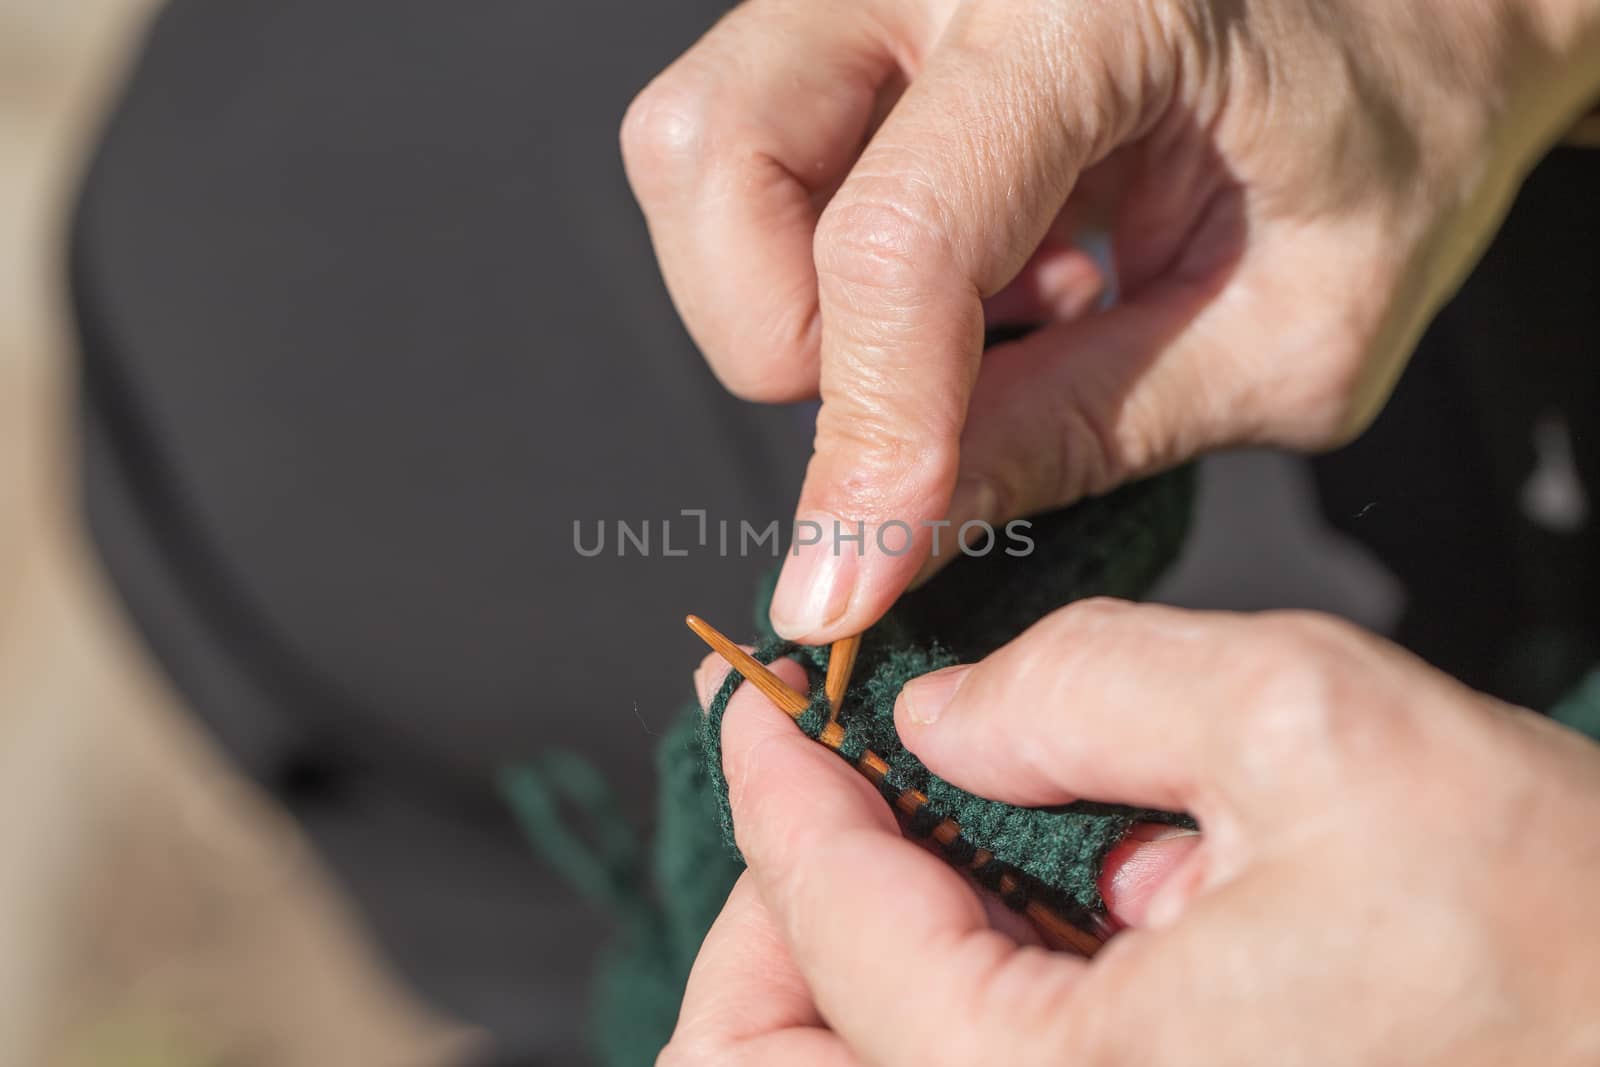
[(1084, 937)]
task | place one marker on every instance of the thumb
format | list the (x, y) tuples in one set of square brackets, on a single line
[(925, 227), (1211, 713)]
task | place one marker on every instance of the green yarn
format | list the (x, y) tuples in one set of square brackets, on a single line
[(1114, 545), (694, 871), (1061, 847), (600, 855), (1581, 708), (638, 980)]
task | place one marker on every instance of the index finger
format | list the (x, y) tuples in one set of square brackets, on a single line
[(731, 174)]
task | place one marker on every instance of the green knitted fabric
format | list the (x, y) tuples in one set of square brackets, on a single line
[(667, 900), (1114, 545), (1060, 848)]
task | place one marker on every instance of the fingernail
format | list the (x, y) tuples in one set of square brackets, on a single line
[(1071, 283), (926, 698), (1155, 831), (1138, 880), (701, 691), (818, 578)]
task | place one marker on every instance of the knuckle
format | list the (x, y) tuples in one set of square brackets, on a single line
[(1089, 615), (1290, 710), (876, 243), (1054, 645), (1312, 630), (883, 465), (664, 131), (1091, 457), (1303, 704), (1070, 636)]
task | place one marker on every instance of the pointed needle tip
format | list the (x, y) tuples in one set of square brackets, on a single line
[(792, 702)]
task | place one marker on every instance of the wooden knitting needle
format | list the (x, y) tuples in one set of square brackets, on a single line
[(1058, 930), (794, 704), (841, 661)]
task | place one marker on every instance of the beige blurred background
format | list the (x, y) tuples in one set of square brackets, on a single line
[(154, 910)]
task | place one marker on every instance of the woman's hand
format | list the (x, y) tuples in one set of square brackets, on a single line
[(1393, 869), (1289, 190)]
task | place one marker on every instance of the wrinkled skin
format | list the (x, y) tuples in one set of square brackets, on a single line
[(1392, 868), (1291, 188), (842, 194)]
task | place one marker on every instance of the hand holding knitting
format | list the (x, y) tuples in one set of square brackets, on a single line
[(1393, 869), (841, 192)]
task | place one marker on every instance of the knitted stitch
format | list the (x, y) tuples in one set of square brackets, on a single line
[(1060, 848), (1114, 545)]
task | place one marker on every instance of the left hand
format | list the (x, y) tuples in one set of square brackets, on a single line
[(1287, 191), (1393, 868)]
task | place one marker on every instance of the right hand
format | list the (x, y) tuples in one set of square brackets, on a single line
[(1290, 190), (1393, 870)]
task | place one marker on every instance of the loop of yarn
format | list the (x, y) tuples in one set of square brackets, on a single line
[(1060, 849), (569, 812), (1111, 545)]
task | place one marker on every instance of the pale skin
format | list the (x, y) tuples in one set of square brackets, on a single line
[(1394, 869), (842, 195), (1291, 189)]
